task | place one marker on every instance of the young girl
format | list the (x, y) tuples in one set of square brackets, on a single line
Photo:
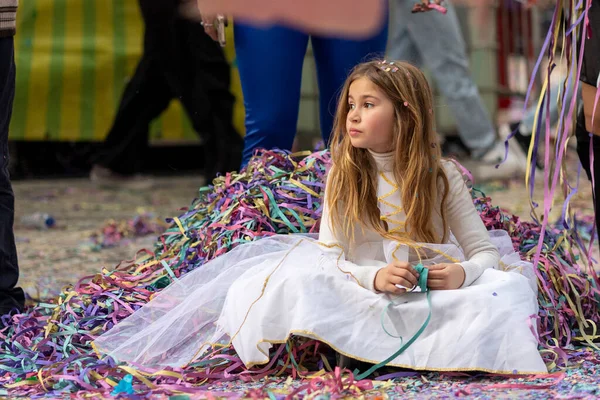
[(403, 271)]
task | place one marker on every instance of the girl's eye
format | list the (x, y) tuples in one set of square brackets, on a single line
[(369, 105), (351, 106)]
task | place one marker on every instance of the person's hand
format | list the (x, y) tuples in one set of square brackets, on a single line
[(445, 276), (209, 22), (396, 273), (191, 10)]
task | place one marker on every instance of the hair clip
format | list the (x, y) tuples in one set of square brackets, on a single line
[(387, 67)]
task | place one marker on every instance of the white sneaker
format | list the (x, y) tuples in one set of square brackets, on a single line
[(515, 166)]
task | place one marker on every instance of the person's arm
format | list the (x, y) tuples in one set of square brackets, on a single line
[(591, 107), (364, 275), (355, 19), (468, 228)]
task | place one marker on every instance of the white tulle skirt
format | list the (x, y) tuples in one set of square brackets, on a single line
[(262, 292)]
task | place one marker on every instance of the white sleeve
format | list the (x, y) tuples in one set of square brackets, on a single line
[(364, 274), (468, 228)]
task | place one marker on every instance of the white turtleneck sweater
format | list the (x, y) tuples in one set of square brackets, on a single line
[(462, 218)]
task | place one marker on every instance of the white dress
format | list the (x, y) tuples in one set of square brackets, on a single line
[(262, 292)]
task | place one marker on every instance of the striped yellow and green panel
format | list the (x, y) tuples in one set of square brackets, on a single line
[(74, 58)]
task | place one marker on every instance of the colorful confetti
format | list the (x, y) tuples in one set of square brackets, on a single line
[(46, 351), (115, 233)]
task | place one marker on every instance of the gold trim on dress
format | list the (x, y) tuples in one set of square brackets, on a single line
[(314, 336)]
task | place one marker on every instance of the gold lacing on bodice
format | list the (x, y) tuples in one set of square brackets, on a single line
[(399, 226), (392, 217)]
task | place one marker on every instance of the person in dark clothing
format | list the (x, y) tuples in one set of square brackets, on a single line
[(12, 298), (179, 61), (588, 121)]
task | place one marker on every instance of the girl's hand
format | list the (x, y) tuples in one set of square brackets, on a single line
[(445, 276), (396, 273)]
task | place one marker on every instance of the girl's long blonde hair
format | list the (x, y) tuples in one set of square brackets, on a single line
[(352, 190)]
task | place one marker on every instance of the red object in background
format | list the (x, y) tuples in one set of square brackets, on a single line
[(515, 39)]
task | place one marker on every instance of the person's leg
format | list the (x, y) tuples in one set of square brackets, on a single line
[(439, 40), (583, 150), (11, 297), (205, 77), (270, 65), (161, 39), (590, 70), (335, 58), (589, 118), (146, 96), (401, 47)]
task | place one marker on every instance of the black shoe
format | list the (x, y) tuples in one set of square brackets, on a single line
[(7, 314), (453, 146), (358, 367), (351, 364), (222, 155), (524, 142), (12, 301)]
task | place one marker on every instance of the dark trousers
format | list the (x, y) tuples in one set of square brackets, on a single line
[(591, 52), (11, 297), (589, 75), (583, 150), (179, 62)]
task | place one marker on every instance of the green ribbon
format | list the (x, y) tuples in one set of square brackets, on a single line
[(422, 284), (274, 209)]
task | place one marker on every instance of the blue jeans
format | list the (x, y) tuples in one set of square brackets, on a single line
[(436, 41), (270, 64)]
